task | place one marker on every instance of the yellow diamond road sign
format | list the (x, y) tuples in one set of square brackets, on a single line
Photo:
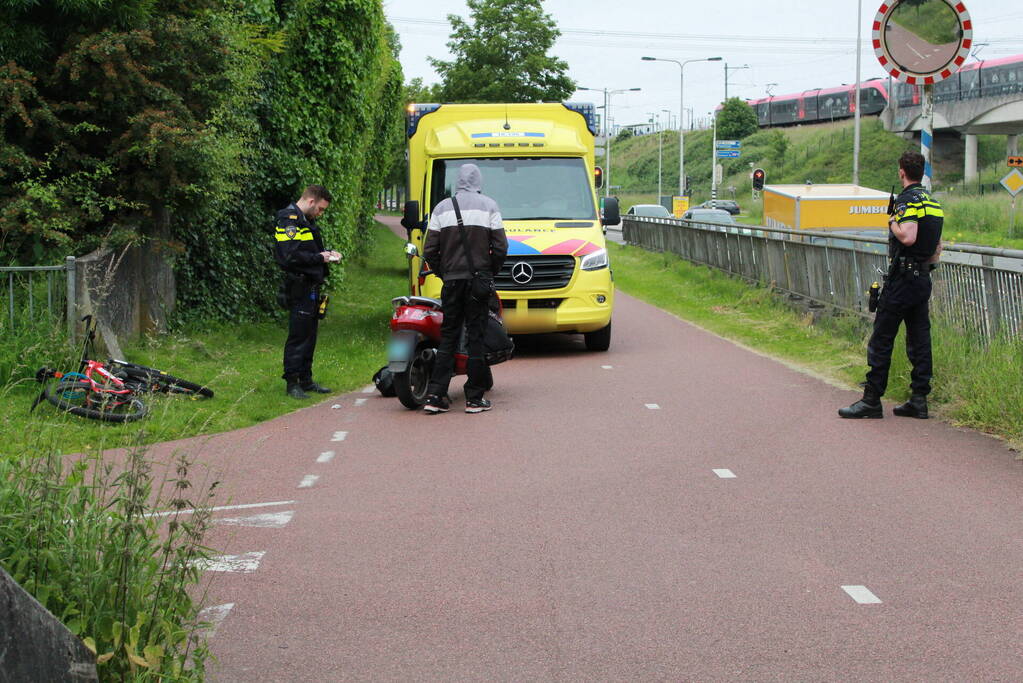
[(1013, 182)]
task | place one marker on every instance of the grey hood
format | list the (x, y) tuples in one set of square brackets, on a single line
[(469, 179)]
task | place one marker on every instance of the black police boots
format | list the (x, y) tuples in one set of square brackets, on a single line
[(295, 390), (916, 407), (315, 388), (867, 407)]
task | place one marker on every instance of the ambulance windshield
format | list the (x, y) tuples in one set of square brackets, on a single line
[(532, 188)]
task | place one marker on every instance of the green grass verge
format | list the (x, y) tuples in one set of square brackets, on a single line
[(241, 363), (976, 385)]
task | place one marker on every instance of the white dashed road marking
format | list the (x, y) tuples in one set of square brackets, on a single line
[(862, 595), (214, 616), (653, 406), (247, 506), (325, 456), (340, 436), (725, 474), (606, 367), (360, 401), (238, 564), (307, 481), (268, 520)]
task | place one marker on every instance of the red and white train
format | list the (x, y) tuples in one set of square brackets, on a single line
[(988, 78)]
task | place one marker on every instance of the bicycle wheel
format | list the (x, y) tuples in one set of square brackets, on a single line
[(78, 398), (158, 380)]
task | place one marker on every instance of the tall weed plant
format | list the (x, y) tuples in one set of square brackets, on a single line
[(86, 537)]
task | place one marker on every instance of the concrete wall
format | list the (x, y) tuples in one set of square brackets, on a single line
[(130, 290), (34, 645)]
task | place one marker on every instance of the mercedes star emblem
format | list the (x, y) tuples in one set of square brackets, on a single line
[(522, 273)]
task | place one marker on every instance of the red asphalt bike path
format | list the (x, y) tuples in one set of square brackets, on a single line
[(574, 533)]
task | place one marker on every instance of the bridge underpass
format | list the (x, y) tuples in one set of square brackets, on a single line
[(998, 115)]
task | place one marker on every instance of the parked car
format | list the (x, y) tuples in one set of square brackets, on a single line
[(653, 210), (710, 215), (729, 205)]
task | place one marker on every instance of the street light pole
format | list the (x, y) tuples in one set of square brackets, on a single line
[(681, 113), (732, 68), (607, 131), (856, 127), (660, 144)]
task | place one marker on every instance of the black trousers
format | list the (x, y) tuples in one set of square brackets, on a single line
[(904, 299), (461, 309), (303, 322)]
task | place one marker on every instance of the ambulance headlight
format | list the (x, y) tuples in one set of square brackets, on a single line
[(595, 261)]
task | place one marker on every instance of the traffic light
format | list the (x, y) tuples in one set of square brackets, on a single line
[(758, 179), (598, 176), (688, 185)]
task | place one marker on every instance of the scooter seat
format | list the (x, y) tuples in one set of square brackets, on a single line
[(424, 301)]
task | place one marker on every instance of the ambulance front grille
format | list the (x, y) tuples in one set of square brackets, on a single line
[(548, 272)]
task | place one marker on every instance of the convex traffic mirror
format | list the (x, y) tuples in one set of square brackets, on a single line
[(922, 41)]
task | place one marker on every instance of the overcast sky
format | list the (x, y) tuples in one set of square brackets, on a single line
[(797, 45)]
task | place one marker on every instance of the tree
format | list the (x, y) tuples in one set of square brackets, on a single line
[(501, 55), (736, 120)]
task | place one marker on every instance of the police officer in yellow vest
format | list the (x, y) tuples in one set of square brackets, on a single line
[(914, 246), (299, 251)]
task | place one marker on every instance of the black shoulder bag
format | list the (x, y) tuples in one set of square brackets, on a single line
[(481, 288)]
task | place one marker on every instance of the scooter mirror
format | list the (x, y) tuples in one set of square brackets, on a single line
[(410, 217), (411, 250)]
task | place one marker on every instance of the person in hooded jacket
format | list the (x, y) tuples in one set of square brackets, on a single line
[(445, 252)]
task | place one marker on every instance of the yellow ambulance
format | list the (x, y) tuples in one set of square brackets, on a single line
[(537, 162)]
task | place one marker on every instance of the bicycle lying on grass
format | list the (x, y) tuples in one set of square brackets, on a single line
[(109, 391)]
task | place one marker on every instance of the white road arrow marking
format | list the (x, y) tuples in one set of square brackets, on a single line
[(245, 563), (268, 520)]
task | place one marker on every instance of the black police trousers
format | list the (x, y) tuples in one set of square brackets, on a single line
[(904, 299), (303, 321), (461, 309)]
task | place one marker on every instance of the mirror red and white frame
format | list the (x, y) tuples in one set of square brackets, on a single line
[(884, 57)]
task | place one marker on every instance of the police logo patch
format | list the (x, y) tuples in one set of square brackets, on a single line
[(291, 231), (900, 212)]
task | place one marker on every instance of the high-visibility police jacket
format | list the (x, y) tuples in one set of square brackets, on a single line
[(915, 204), (298, 245)]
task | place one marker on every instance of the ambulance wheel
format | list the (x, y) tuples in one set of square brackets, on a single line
[(599, 340)]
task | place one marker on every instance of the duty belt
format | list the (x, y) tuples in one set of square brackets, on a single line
[(906, 266)]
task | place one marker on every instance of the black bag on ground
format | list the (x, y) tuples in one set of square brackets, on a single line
[(497, 345), (384, 381)]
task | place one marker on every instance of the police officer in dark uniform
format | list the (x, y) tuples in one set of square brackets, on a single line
[(914, 245), (299, 251)]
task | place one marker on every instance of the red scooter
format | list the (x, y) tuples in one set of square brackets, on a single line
[(415, 328)]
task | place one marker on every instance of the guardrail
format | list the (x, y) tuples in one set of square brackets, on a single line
[(976, 288), (22, 293)]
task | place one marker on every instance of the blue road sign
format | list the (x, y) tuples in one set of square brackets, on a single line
[(728, 153), (729, 144)]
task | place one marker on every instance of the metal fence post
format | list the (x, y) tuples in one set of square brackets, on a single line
[(72, 296), (993, 307)]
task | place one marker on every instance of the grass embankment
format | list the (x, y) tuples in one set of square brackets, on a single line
[(976, 385), (821, 153), (241, 363)]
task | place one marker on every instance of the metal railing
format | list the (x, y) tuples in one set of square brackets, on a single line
[(25, 301), (976, 288)]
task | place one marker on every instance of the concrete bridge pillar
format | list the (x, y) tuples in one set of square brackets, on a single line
[(1012, 146), (970, 174)]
